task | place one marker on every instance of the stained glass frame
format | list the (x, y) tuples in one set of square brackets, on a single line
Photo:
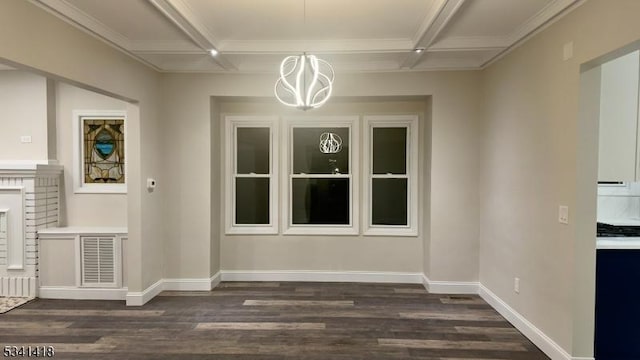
[(100, 158)]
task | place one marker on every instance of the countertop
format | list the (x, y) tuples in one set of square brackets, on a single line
[(621, 222), (621, 243)]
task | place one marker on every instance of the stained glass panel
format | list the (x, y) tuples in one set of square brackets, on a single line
[(103, 149)]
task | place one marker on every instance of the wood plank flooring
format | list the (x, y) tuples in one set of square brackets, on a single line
[(265, 321)]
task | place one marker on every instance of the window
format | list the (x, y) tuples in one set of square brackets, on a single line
[(252, 188), (320, 194), (391, 165)]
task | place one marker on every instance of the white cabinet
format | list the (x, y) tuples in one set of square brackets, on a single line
[(618, 142)]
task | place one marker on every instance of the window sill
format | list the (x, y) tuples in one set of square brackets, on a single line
[(252, 230), (321, 230), (389, 231)]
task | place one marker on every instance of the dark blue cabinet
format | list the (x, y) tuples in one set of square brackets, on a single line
[(617, 334)]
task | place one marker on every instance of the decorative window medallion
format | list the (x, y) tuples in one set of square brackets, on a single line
[(100, 152)]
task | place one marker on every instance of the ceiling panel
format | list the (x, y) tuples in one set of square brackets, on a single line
[(136, 20), (492, 17), (353, 35), (325, 19)]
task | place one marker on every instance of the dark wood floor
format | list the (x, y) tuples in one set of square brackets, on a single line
[(273, 321)]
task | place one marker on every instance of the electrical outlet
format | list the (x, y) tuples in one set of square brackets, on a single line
[(516, 285), (563, 214)]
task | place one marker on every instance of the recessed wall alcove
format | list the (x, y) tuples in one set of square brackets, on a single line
[(285, 250)]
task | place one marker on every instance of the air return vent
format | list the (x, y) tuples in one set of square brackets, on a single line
[(98, 261)]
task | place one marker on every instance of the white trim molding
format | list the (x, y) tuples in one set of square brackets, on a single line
[(76, 293), (306, 121), (232, 124), (539, 338), (322, 276), (410, 123), (139, 298), (191, 284), (194, 284), (450, 287)]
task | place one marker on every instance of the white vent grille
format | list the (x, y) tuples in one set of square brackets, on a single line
[(98, 261)]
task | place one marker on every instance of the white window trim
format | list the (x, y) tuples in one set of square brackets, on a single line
[(413, 198), (287, 158), (231, 124)]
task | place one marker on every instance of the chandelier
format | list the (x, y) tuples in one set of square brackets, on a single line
[(305, 82)]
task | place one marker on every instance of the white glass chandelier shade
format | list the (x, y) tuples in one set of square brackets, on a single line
[(305, 82)]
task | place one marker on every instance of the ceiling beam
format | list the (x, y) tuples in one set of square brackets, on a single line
[(437, 19), (181, 15)]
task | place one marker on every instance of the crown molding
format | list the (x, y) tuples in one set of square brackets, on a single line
[(540, 18), (80, 20), (551, 18), (87, 22)]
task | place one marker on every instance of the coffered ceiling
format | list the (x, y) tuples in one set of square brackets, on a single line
[(353, 35)]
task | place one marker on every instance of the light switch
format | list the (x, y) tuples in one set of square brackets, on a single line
[(26, 139), (563, 214)]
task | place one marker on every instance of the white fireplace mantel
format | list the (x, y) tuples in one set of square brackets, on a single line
[(29, 200), (29, 169)]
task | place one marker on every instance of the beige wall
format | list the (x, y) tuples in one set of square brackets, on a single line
[(84, 209), (452, 244), (533, 159), (65, 52), (23, 112)]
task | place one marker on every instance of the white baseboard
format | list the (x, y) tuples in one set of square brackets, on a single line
[(141, 298), (323, 276), (76, 293), (450, 287), (215, 280), (186, 284), (540, 339), (191, 284)]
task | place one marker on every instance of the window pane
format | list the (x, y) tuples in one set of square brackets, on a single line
[(308, 157), (389, 150), (320, 201), (252, 200), (253, 150), (389, 200)]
